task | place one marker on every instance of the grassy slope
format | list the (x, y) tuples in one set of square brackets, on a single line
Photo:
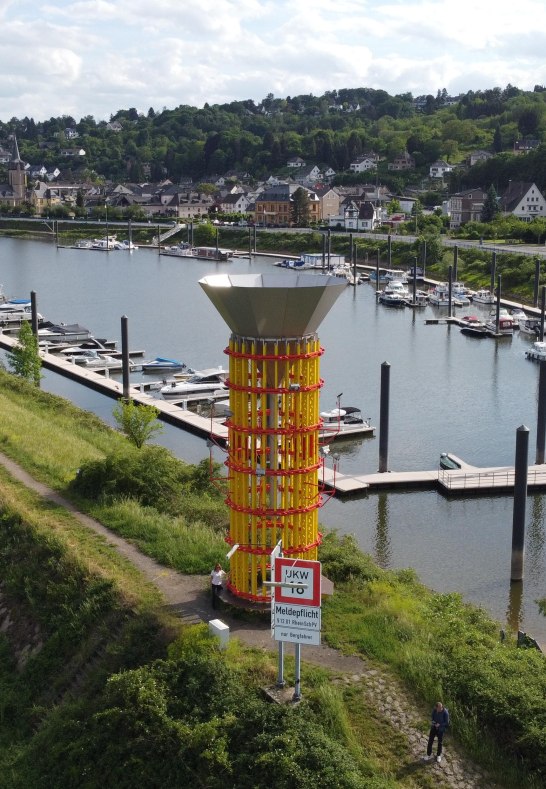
[(432, 641)]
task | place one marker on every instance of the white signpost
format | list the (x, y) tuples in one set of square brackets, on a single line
[(295, 606)]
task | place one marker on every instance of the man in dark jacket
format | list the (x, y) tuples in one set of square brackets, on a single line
[(440, 722)]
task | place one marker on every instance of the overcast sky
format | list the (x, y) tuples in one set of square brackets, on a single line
[(94, 57)]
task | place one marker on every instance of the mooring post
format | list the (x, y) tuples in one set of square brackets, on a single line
[(377, 269), (250, 244), (537, 283), (520, 500), (541, 413), (493, 271), (449, 290), (542, 310), (351, 242), (354, 265), (217, 236), (455, 263), (384, 417), (255, 232), (389, 250), (424, 266), (33, 313), (497, 310), (125, 356), (329, 250)]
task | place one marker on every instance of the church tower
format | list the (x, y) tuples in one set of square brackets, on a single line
[(17, 177)]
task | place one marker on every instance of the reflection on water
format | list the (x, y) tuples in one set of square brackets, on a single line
[(382, 541), (448, 393)]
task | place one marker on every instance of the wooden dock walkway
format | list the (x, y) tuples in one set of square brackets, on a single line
[(466, 479)]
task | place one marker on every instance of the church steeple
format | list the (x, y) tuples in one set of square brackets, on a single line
[(17, 177)]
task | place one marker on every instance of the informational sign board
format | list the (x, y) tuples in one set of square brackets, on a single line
[(291, 572), (298, 624)]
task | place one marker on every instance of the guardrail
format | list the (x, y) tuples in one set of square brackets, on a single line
[(488, 480)]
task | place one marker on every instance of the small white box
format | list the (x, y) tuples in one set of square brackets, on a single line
[(220, 630)]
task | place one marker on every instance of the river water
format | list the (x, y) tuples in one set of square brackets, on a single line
[(448, 393)]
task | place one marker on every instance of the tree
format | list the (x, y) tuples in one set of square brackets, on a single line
[(300, 208), (25, 360), (497, 140), (491, 207), (138, 422)]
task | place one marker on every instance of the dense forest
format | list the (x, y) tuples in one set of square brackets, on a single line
[(257, 139)]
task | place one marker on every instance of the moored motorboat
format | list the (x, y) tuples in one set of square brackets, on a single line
[(63, 332), (213, 253), (346, 421), (472, 326), (505, 324), (93, 358), (538, 352), (530, 326), (162, 365), (201, 382), (439, 295), (16, 311), (518, 316), (483, 296)]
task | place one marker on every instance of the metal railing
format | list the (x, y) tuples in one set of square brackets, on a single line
[(488, 480)]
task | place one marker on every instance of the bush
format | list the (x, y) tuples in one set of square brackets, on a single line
[(151, 475)]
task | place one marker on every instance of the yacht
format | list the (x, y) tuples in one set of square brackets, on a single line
[(202, 382), (483, 296)]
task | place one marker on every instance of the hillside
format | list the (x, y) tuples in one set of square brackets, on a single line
[(252, 141)]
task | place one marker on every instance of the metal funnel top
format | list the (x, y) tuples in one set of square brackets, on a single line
[(276, 304)]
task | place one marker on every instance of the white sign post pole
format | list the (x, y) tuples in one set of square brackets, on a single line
[(277, 553)]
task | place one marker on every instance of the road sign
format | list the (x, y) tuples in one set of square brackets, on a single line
[(294, 571), (296, 623)]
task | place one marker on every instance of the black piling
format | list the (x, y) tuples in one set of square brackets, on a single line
[(323, 251), (351, 243), (250, 244), (455, 263), (354, 265), (384, 417), (377, 270), (389, 251), (217, 239), (493, 271), (542, 311), (498, 304), (537, 283), (125, 355), (414, 283), (449, 291), (33, 313), (520, 500), (541, 414), (329, 247), (424, 266)]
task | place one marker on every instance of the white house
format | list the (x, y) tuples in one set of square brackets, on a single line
[(439, 168), (523, 200), (362, 164)]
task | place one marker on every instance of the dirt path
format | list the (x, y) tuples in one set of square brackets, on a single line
[(188, 596)]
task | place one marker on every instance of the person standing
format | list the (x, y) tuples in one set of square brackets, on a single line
[(216, 579), (439, 723)]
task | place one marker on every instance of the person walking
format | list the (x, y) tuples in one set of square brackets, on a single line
[(216, 579), (439, 723)]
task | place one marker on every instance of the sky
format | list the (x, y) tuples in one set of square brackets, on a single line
[(95, 57)]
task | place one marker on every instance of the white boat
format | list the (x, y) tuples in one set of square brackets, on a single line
[(530, 326), (472, 326), (343, 422), (16, 310), (126, 245), (538, 352), (518, 316), (460, 293), (201, 382), (506, 324), (483, 296), (183, 250), (104, 244), (77, 350), (93, 358), (391, 298), (63, 332), (162, 365)]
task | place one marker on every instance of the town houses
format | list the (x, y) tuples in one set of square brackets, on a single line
[(361, 206)]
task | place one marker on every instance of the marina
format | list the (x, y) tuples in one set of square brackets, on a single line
[(448, 394)]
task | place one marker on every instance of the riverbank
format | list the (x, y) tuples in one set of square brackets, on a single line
[(434, 643)]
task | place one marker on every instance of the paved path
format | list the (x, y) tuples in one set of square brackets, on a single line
[(188, 596)]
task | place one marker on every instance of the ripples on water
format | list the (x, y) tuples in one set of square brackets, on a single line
[(448, 392)]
